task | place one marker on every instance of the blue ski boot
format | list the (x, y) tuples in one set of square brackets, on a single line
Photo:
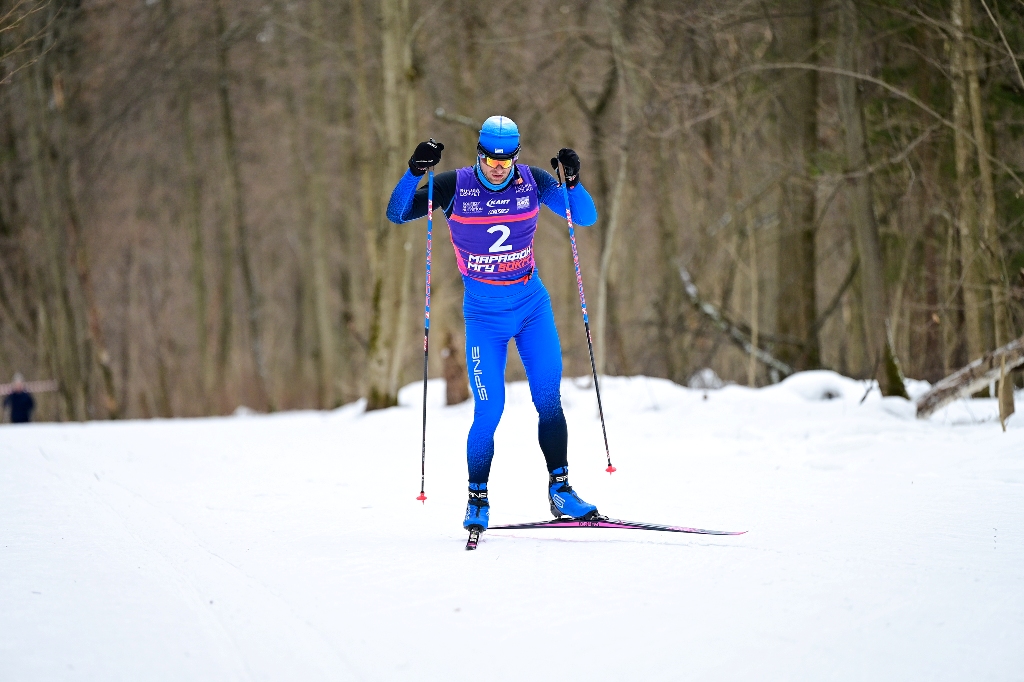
[(565, 502), (478, 510)]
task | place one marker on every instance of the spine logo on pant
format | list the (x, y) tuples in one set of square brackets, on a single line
[(481, 390)]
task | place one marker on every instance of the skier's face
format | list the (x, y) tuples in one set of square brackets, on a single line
[(496, 173)]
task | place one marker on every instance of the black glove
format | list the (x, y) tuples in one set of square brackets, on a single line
[(427, 154), (571, 163)]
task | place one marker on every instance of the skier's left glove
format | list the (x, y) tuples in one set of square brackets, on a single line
[(427, 154), (570, 161)]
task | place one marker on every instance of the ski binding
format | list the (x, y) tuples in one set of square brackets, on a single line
[(474, 536)]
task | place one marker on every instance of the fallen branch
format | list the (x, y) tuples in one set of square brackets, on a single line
[(834, 304), (728, 327), (456, 118), (971, 378)]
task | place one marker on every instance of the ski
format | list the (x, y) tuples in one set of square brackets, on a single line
[(474, 537), (605, 522)]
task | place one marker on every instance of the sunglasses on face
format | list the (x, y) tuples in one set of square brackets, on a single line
[(496, 163)]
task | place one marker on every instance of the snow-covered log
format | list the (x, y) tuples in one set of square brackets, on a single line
[(971, 378)]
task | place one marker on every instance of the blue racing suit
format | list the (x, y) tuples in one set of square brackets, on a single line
[(492, 232)]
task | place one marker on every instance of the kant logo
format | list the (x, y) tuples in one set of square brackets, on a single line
[(491, 203)]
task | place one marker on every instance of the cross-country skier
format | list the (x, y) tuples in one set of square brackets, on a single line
[(492, 208)]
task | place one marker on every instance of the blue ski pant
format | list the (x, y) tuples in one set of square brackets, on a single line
[(494, 315)]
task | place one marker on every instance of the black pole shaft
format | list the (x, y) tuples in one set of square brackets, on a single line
[(423, 450), (426, 336), (583, 307), (597, 389)]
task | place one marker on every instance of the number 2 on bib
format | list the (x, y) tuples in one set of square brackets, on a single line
[(500, 245)]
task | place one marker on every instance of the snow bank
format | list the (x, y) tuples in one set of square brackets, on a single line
[(290, 546)]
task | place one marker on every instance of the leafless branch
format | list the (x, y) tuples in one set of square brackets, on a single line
[(902, 94), (1009, 52), (456, 118), (728, 327)]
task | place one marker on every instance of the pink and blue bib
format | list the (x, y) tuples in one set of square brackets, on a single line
[(492, 232)]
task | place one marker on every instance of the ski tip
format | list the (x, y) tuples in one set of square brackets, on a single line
[(422, 498), (611, 469)]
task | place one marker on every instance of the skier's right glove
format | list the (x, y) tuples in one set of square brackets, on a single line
[(570, 161), (427, 154)]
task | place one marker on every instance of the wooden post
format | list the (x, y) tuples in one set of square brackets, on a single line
[(1005, 393)]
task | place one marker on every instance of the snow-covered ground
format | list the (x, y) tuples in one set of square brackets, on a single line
[(291, 547)]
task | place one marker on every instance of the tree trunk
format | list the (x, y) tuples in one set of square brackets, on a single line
[(668, 306), (932, 369), (605, 317), (388, 275), (455, 376), (193, 204), (796, 308), (469, 61), (195, 229), (975, 293), (401, 328), (367, 137), (236, 203), (79, 252), (755, 304), (56, 315), (226, 276), (992, 250), (862, 212), (321, 286)]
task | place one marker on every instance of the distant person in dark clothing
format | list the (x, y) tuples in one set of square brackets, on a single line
[(20, 401)]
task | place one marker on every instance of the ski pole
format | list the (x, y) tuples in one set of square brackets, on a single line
[(583, 305), (426, 335)]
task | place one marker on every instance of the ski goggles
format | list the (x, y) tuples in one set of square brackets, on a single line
[(496, 163)]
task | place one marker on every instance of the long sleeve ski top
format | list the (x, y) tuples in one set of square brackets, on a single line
[(409, 203)]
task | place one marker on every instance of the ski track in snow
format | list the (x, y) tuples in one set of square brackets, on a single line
[(291, 546)]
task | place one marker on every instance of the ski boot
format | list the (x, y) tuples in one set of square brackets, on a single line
[(565, 502), (478, 510)]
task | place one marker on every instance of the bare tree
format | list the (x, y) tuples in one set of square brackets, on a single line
[(865, 228), (390, 281), (235, 198), (797, 97), (319, 282), (608, 248)]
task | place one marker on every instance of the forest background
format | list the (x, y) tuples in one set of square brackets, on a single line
[(192, 193)]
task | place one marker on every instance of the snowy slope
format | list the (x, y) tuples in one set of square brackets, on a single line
[(290, 547)]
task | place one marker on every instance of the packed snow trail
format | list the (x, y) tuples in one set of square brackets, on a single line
[(291, 547)]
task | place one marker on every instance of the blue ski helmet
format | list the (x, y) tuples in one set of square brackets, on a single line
[(499, 138)]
